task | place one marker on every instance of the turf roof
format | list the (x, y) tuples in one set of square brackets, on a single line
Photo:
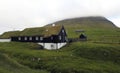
[(9, 34), (54, 30), (39, 31)]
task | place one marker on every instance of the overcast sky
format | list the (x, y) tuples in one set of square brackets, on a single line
[(20, 14)]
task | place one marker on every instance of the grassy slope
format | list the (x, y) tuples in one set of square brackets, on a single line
[(88, 22), (97, 29), (76, 57), (100, 54), (10, 65)]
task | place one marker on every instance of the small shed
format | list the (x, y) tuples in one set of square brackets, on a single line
[(82, 37)]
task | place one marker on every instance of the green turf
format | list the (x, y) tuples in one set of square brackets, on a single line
[(76, 57), (9, 65), (99, 54)]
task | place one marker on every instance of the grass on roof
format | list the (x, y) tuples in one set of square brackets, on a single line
[(53, 30), (9, 34), (32, 31), (46, 31)]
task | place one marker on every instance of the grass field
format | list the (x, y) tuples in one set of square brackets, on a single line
[(76, 57), (9, 65), (99, 54)]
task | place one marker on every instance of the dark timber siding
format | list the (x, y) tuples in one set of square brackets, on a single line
[(58, 38)]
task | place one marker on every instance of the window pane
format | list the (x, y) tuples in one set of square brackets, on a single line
[(41, 38), (36, 38), (62, 31), (25, 38), (60, 37), (30, 38), (19, 38)]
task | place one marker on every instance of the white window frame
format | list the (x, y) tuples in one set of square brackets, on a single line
[(30, 38), (36, 38), (41, 38), (25, 38), (19, 38)]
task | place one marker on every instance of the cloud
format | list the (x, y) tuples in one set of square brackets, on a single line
[(20, 14)]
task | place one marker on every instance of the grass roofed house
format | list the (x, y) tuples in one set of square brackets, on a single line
[(50, 37)]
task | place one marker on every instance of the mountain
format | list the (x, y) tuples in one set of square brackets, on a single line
[(88, 22), (99, 54), (71, 25)]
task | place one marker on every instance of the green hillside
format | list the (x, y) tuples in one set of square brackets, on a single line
[(79, 57), (88, 22), (97, 29), (9, 65), (99, 54)]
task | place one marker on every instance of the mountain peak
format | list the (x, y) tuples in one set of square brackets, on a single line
[(91, 22)]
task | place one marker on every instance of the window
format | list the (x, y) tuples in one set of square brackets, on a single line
[(51, 38), (30, 38), (19, 38), (62, 31), (36, 38), (41, 38), (60, 38), (25, 38)]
